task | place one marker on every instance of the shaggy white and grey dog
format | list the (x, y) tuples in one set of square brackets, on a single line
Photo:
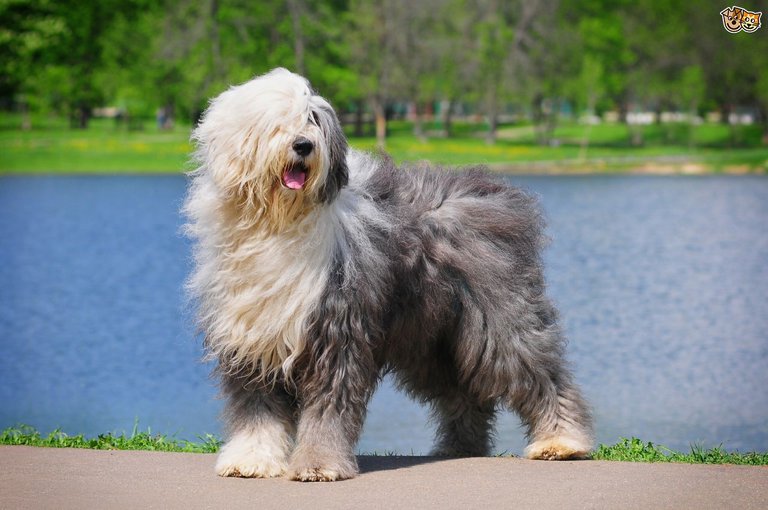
[(319, 269)]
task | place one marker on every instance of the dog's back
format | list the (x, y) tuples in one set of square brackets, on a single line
[(466, 276)]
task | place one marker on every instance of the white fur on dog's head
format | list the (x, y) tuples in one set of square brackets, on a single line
[(245, 143)]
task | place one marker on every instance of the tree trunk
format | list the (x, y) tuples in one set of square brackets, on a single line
[(447, 118), (692, 125), (380, 113), (726, 113), (551, 122), (418, 124), (359, 111), (764, 119), (84, 117), (493, 126), (623, 109), (584, 145), (537, 112), (80, 117), (215, 39), (297, 7), (493, 114), (26, 120), (168, 116)]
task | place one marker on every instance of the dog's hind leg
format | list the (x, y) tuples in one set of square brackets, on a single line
[(464, 426), (551, 406), (261, 429), (559, 423)]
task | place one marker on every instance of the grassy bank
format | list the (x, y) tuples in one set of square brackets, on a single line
[(628, 450), (635, 450), (28, 436), (51, 147)]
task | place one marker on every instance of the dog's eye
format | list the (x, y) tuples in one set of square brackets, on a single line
[(314, 119)]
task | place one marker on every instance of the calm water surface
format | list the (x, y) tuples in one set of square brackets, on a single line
[(661, 283)]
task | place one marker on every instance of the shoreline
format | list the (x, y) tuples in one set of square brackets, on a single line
[(626, 450)]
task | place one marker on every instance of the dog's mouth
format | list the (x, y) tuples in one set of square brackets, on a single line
[(295, 176)]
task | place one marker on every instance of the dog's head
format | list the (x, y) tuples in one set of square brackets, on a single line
[(731, 19), (273, 147)]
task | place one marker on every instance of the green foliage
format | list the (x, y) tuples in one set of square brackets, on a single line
[(26, 32), (28, 436), (107, 147), (627, 450), (692, 87), (69, 56), (635, 450)]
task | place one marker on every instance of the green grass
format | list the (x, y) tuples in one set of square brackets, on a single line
[(635, 450), (28, 436), (99, 149), (627, 450), (51, 147)]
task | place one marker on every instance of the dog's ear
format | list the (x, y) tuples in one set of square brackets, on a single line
[(338, 172)]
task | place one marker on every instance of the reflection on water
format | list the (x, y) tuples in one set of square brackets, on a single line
[(660, 282)]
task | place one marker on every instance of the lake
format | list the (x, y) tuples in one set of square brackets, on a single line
[(661, 283)]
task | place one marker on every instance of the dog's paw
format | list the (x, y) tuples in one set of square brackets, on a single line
[(558, 448), (312, 469), (317, 474), (251, 468), (249, 463)]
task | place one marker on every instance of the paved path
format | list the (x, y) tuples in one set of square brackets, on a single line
[(85, 479)]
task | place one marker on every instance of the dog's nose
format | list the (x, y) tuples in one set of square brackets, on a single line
[(302, 146)]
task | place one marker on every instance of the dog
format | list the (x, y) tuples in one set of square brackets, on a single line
[(318, 269)]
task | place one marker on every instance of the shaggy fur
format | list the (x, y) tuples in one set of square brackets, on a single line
[(318, 269)]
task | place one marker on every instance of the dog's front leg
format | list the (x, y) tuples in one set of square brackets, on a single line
[(261, 429), (325, 444), (331, 417)]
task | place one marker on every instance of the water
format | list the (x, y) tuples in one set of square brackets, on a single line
[(660, 282)]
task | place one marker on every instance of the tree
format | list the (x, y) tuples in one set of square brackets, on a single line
[(71, 56), (692, 90), (602, 34), (80, 49), (493, 43), (550, 63), (327, 64), (371, 34), (28, 31), (506, 35), (455, 46), (591, 89)]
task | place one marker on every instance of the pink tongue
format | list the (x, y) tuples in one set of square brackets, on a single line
[(294, 178)]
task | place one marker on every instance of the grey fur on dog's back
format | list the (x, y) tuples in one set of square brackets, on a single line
[(309, 292)]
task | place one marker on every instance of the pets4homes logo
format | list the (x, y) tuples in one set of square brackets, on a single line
[(736, 19)]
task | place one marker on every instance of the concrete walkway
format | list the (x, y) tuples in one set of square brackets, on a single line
[(85, 479)]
